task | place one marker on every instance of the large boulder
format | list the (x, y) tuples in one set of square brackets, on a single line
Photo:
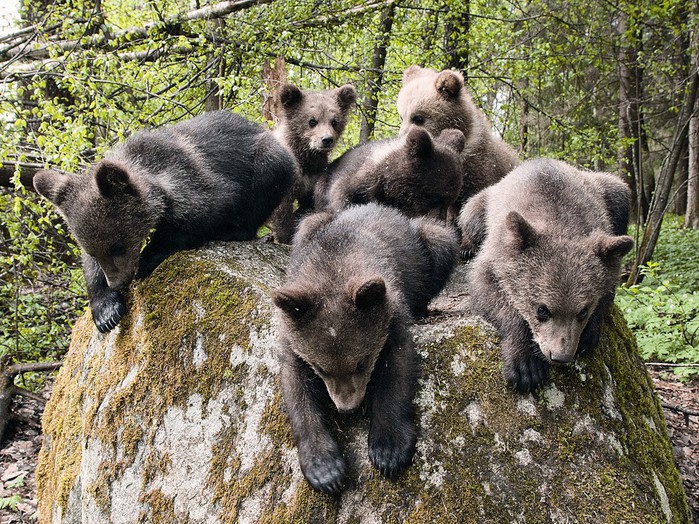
[(177, 417)]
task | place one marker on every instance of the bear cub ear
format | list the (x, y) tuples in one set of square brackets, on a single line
[(522, 234), (294, 302), (419, 142), (52, 185), (454, 139), (410, 73), (290, 95), (368, 292), (113, 179), (346, 96), (611, 248), (449, 84)]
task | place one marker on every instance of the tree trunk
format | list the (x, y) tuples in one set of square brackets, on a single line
[(630, 114), (375, 76), (456, 28), (691, 218), (661, 197), (272, 78)]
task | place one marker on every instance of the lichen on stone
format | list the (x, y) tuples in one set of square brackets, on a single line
[(177, 416)]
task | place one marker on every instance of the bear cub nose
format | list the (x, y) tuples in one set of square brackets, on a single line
[(327, 141)]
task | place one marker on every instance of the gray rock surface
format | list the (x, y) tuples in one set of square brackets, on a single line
[(176, 416)]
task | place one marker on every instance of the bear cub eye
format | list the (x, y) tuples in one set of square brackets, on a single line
[(362, 366), (117, 250), (582, 315), (543, 313), (418, 120), (312, 122), (334, 123)]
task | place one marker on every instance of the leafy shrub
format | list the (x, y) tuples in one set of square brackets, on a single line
[(664, 317)]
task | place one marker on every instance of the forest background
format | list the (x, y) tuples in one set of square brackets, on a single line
[(607, 86)]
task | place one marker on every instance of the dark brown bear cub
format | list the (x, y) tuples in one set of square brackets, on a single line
[(355, 283), (415, 173), (214, 177), (551, 240), (310, 125)]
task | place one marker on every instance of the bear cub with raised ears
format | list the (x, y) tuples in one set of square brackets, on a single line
[(214, 177), (438, 100), (551, 240), (414, 173), (356, 281), (310, 125)]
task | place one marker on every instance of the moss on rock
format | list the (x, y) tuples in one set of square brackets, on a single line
[(177, 416)]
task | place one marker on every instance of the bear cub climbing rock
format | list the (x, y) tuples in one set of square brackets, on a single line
[(414, 173), (356, 281), (550, 239), (214, 177), (310, 125)]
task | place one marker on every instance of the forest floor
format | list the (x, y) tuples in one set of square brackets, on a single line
[(19, 450)]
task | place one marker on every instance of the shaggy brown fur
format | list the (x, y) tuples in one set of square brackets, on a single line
[(355, 282), (437, 101), (414, 173), (214, 177), (551, 242), (310, 126)]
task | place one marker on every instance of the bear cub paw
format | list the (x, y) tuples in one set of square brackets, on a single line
[(392, 450), (107, 310), (324, 471), (526, 374)]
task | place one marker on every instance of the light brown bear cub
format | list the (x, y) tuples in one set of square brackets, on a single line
[(438, 101), (415, 173), (551, 240), (310, 125), (356, 281)]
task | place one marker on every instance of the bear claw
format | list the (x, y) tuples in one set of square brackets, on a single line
[(391, 454), (526, 375), (326, 474), (107, 313)]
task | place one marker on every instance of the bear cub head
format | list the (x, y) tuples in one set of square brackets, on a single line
[(109, 212), (314, 120), (556, 284), (339, 334), (434, 101)]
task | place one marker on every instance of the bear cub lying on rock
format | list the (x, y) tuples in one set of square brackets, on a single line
[(214, 177), (355, 283), (551, 240), (414, 173)]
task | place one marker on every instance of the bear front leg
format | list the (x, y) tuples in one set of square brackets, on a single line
[(392, 430), (282, 220), (590, 335), (472, 224), (107, 305), (157, 250), (304, 395), (524, 368)]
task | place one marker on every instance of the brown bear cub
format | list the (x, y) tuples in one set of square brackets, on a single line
[(551, 241), (414, 173), (356, 281), (310, 125), (214, 177), (437, 101)]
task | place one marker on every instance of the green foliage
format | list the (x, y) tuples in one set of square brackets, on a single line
[(664, 317), (10, 502)]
